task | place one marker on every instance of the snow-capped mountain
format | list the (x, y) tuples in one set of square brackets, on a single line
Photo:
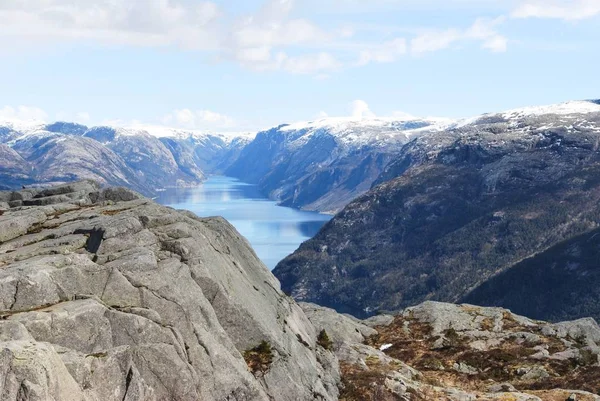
[(318, 165), (505, 205), (322, 165), (356, 132), (555, 114), (143, 158)]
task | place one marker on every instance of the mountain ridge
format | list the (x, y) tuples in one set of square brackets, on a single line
[(454, 209)]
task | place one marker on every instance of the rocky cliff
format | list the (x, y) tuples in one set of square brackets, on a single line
[(105, 295), (465, 207)]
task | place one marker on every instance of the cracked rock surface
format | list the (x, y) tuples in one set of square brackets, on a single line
[(105, 295)]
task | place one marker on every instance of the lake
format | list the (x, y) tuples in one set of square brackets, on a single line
[(274, 231)]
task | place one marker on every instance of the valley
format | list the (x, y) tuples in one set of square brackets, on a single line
[(273, 231), (286, 200), (424, 209)]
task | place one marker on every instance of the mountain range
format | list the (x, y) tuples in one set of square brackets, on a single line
[(427, 209), (318, 166), (502, 209), (146, 160)]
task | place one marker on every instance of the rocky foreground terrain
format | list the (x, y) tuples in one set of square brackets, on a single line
[(438, 351), (105, 295), (502, 210)]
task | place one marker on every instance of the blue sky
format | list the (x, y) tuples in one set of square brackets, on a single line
[(251, 64)]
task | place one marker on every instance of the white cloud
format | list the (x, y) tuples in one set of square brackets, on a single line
[(310, 63), (483, 31), (569, 10), (386, 52), (199, 119), (146, 23), (261, 41), (82, 117), (360, 109), (22, 113), (271, 38), (400, 115)]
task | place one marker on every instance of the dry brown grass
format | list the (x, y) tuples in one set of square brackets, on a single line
[(496, 365)]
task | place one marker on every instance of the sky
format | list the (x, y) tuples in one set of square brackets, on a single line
[(247, 65)]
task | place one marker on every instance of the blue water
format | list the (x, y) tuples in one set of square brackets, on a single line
[(274, 231)]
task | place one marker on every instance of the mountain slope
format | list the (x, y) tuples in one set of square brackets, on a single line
[(59, 158), (13, 168), (325, 164), (466, 205), (142, 159), (559, 283)]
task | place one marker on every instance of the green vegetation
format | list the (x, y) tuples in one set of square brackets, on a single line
[(558, 284), (324, 341), (259, 358)]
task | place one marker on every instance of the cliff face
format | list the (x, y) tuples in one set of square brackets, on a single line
[(105, 295)]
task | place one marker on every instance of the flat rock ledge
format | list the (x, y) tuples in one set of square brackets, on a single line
[(106, 295)]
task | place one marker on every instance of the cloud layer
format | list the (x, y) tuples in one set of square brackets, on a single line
[(270, 38), (22, 113), (568, 10)]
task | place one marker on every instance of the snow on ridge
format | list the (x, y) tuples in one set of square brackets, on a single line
[(30, 127), (570, 108), (159, 131), (378, 131), (566, 108), (24, 126), (339, 124)]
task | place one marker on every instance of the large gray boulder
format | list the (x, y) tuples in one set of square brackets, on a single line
[(105, 295)]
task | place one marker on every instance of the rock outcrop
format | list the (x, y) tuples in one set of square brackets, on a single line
[(438, 351), (105, 295)]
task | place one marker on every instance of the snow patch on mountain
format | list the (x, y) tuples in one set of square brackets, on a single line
[(23, 126), (571, 110), (159, 131), (362, 131), (567, 108)]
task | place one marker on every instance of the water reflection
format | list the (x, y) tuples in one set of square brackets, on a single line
[(273, 231)]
